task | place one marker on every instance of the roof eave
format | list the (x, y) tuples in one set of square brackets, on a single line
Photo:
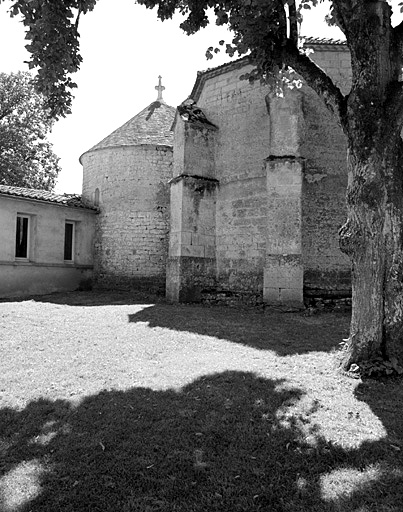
[(202, 76), (117, 146), (48, 202)]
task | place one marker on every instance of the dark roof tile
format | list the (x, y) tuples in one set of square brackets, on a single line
[(150, 126), (319, 41), (72, 200)]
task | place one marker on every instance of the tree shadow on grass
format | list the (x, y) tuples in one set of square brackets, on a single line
[(92, 298), (219, 444), (385, 399), (285, 332)]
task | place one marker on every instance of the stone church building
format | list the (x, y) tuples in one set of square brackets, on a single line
[(236, 195)]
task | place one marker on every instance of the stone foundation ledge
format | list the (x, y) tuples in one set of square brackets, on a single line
[(231, 298), (328, 304), (154, 286)]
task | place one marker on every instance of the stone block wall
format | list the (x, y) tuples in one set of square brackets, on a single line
[(336, 61), (253, 125), (192, 241), (324, 147), (241, 145), (194, 149), (284, 271), (237, 228), (132, 233), (193, 217)]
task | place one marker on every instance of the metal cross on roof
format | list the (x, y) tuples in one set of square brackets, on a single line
[(159, 88)]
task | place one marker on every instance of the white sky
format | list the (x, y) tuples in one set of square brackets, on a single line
[(124, 48)]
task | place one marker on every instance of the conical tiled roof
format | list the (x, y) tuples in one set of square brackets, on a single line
[(151, 126)]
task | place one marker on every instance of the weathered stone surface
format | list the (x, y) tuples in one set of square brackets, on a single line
[(188, 277), (283, 280), (241, 144), (257, 194), (192, 228), (131, 244), (280, 164), (286, 122), (194, 149), (283, 271), (323, 206)]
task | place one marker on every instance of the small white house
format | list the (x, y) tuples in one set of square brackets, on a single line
[(47, 241)]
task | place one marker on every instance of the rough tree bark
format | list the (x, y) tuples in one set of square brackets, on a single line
[(372, 235), (371, 116)]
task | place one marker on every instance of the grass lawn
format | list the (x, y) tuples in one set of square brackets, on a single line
[(112, 402)]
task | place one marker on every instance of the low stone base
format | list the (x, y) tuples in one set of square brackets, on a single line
[(331, 282), (283, 280), (231, 298), (188, 276), (153, 284), (326, 304)]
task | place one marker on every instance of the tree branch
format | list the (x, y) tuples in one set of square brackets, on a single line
[(293, 21), (320, 82), (393, 105), (398, 30), (340, 11), (6, 113), (398, 37), (78, 18), (282, 19)]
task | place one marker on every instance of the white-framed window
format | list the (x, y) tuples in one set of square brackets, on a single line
[(69, 240), (22, 238)]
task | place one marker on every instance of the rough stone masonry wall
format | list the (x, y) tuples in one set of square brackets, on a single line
[(191, 258), (326, 268), (132, 233), (241, 145)]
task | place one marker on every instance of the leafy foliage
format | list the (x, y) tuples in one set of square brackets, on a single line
[(258, 27), (26, 157), (54, 46)]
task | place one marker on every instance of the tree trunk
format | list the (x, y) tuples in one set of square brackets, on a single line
[(373, 238), (372, 235)]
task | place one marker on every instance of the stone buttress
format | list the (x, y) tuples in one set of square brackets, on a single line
[(283, 269), (191, 265)]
